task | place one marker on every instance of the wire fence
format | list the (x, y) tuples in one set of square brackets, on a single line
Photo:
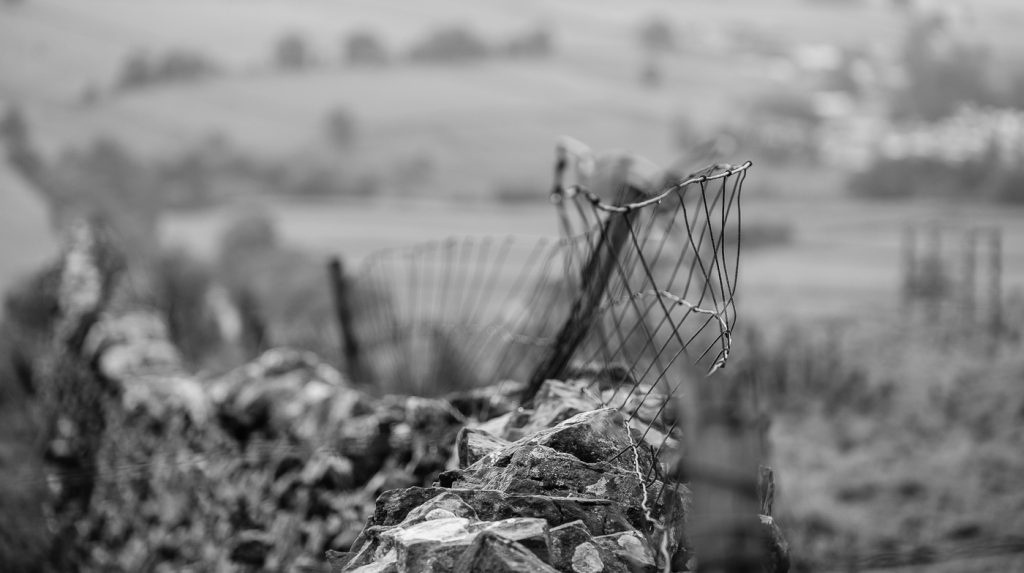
[(639, 287)]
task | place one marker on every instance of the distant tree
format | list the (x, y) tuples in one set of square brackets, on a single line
[(136, 71), (141, 69), (340, 127), (533, 44), (943, 71), (183, 65), (252, 231), (451, 44), (14, 127), (656, 35), (363, 48), (21, 152), (292, 52)]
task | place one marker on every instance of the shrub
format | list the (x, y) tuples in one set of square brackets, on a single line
[(656, 35), (183, 65), (340, 128), (252, 231), (135, 71), (943, 72), (292, 52), (141, 69), (451, 44), (363, 48)]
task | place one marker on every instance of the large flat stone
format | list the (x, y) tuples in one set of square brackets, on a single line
[(494, 553)]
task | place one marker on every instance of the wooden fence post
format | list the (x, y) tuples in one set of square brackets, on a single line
[(970, 268), (996, 284), (909, 265), (341, 295), (936, 275), (723, 469), (593, 283)]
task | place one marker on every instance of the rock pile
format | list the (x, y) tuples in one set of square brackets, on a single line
[(550, 501), (580, 494)]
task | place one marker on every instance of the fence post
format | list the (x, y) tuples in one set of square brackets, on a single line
[(909, 264), (723, 470), (970, 267), (996, 284), (593, 283), (341, 296), (936, 274)]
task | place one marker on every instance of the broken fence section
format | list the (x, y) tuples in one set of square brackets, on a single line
[(638, 291)]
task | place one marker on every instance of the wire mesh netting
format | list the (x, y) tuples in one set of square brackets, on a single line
[(638, 289), (461, 312)]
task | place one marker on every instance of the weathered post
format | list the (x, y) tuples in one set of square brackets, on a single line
[(593, 283), (909, 265), (969, 281), (723, 470), (341, 296), (996, 284)]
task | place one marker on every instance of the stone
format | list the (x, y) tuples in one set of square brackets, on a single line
[(364, 440), (252, 548), (631, 550), (445, 504), (285, 392), (421, 544), (488, 402), (664, 443), (428, 545), (564, 540), (497, 426), (494, 553), (599, 516), (539, 470), (586, 558), (387, 563), (593, 437), (338, 560), (531, 533), (159, 396), (328, 471), (472, 444), (776, 546), (642, 402), (555, 402)]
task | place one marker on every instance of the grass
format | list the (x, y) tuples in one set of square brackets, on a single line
[(890, 441)]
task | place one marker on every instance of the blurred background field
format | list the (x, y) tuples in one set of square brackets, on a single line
[(345, 127)]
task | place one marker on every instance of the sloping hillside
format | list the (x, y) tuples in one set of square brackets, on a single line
[(26, 239)]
